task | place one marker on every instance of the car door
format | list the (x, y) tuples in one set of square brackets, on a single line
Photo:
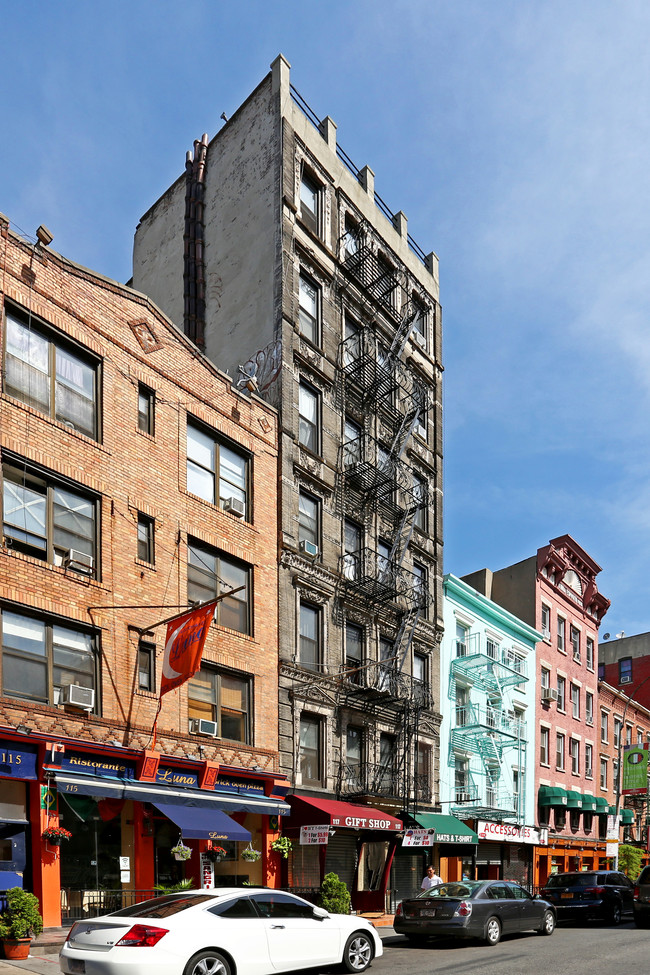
[(505, 906), (530, 911), (624, 889), (239, 928), (295, 938)]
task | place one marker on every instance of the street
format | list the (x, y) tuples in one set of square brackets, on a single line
[(572, 950)]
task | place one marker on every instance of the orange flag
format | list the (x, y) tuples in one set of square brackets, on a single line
[(186, 636)]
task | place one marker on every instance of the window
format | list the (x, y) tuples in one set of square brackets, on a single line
[(146, 665), (575, 701), (574, 636), (559, 752), (603, 773), (420, 586), (310, 757), (574, 747), (209, 574), (309, 519), (419, 332), (462, 705), (561, 627), (420, 499), (423, 772), (628, 735), (491, 648), (145, 538), (589, 761), (212, 467), (601, 671), (543, 746), (546, 622), (603, 726), (40, 658), (51, 375), (309, 418), (420, 399), (618, 726), (351, 550), (309, 305), (353, 652), (352, 343), (590, 653), (516, 787), (223, 697), (146, 409), (351, 443), (461, 779), (309, 654), (385, 567), (589, 707), (625, 670), (354, 755), (561, 694), (309, 200), (49, 520), (639, 736), (545, 677)]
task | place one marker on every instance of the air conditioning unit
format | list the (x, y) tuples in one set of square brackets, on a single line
[(309, 548), (199, 726), (626, 679), (235, 506), (549, 694), (419, 339), (79, 561), (78, 696)]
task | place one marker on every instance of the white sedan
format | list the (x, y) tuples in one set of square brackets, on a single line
[(227, 931)]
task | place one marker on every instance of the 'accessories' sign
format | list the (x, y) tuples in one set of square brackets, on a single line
[(509, 833)]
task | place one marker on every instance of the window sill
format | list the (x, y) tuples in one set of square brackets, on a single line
[(78, 577), (145, 564), (147, 436), (215, 507)]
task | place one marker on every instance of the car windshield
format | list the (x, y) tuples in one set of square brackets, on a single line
[(163, 906), (460, 890), (571, 880)]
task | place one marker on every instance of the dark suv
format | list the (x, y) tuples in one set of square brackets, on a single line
[(602, 894), (641, 901)]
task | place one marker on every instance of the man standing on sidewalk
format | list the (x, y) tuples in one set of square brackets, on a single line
[(430, 879)]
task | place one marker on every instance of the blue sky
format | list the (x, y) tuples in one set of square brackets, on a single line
[(516, 138)]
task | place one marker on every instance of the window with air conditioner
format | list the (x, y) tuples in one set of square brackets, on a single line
[(309, 511), (48, 372), (42, 658), (217, 471), (220, 701), (48, 517), (625, 670)]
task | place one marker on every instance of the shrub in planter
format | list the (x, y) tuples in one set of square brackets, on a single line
[(334, 896), (20, 921)]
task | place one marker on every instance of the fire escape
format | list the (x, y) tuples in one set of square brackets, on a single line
[(377, 486), (487, 730)]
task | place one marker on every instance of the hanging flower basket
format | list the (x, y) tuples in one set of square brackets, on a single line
[(215, 855), (54, 835), (250, 854), (181, 852), (282, 845)]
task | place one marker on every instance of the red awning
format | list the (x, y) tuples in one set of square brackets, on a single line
[(308, 811)]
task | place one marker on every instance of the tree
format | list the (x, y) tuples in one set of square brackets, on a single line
[(629, 860)]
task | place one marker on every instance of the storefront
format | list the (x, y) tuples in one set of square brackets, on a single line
[(453, 850), (355, 842), (506, 851), (18, 767), (577, 828)]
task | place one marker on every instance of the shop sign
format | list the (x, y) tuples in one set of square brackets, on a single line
[(635, 769), (96, 765), (207, 873), (612, 828), (227, 784), (419, 837), (17, 763), (511, 833), (177, 777), (454, 838), (314, 835), (361, 822), (611, 849)]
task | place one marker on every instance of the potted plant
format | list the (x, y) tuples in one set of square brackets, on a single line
[(180, 851), (251, 854), (54, 835), (216, 854), (282, 845), (20, 921)]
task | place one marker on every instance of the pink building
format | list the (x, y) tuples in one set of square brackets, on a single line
[(555, 591)]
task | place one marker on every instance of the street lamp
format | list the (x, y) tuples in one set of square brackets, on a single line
[(630, 698)]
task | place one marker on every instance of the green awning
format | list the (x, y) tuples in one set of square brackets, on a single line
[(551, 795), (602, 806), (612, 810), (627, 817), (589, 803), (447, 829), (573, 799)]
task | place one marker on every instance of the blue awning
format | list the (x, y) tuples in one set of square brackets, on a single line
[(196, 823)]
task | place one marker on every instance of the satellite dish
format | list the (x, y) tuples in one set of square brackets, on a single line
[(606, 636), (619, 636)]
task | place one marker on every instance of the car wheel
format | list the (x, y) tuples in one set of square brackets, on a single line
[(493, 931), (548, 923), (358, 952), (207, 962), (615, 914)]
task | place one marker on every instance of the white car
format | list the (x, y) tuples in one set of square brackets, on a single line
[(227, 931)]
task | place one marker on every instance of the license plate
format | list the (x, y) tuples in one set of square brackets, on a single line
[(429, 913), (76, 966), (566, 896)]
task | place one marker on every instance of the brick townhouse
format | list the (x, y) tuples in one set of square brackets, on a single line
[(135, 481)]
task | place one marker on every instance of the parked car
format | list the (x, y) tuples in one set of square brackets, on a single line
[(591, 894), (483, 909), (641, 901), (220, 932)]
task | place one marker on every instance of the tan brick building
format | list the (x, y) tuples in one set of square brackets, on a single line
[(280, 257), (135, 480)]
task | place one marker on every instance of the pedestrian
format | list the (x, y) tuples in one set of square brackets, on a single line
[(430, 879)]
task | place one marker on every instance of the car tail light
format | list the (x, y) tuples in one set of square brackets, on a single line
[(72, 930), (141, 936), (636, 892), (464, 909), (594, 890), (398, 912)]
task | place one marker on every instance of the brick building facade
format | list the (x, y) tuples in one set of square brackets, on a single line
[(135, 481)]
